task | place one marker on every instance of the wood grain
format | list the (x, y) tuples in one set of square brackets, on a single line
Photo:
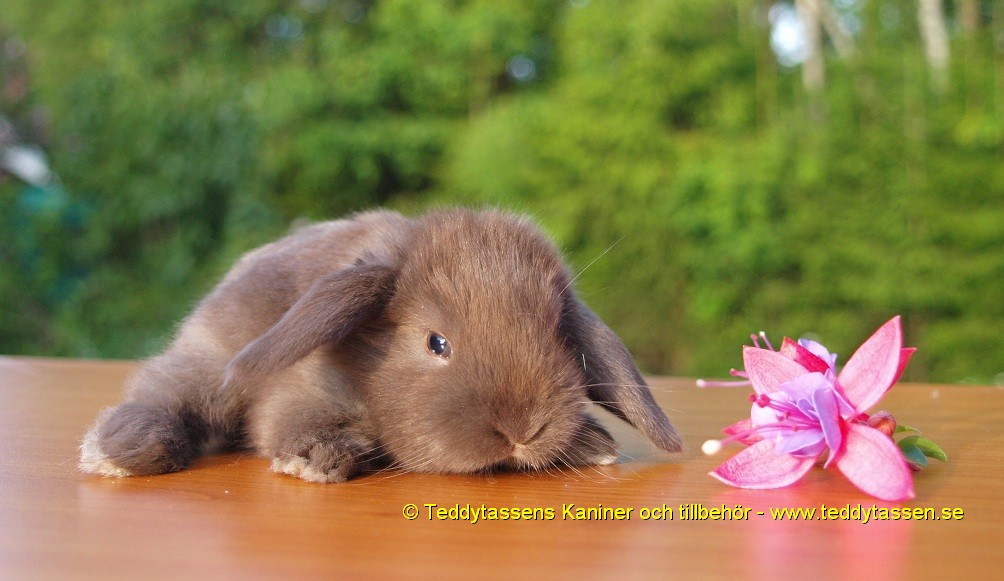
[(230, 517)]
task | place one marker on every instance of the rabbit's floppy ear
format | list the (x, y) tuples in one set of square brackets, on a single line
[(613, 380), (326, 313)]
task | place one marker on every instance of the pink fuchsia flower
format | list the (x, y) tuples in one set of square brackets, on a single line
[(802, 408)]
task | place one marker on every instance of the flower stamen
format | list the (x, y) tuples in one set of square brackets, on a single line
[(734, 373), (711, 447)]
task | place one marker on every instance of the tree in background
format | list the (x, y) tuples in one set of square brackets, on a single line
[(750, 196), (190, 131), (716, 176)]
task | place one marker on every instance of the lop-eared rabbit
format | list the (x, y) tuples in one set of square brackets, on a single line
[(448, 343)]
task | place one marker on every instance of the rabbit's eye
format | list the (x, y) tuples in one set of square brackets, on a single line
[(438, 345)]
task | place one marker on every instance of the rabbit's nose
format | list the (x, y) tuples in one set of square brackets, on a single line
[(520, 437)]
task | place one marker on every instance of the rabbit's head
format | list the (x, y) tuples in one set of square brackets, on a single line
[(469, 349)]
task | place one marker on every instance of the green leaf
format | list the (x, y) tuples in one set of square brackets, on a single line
[(902, 428), (913, 454), (925, 445)]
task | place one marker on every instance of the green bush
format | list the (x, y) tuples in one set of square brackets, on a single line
[(700, 190)]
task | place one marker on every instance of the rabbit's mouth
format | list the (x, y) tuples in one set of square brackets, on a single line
[(523, 462), (526, 457), (506, 458)]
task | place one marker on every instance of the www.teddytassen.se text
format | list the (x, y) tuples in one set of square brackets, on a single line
[(683, 512)]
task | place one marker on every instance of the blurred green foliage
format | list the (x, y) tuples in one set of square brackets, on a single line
[(701, 190)]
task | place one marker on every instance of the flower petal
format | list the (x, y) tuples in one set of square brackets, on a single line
[(803, 386), (801, 442), (820, 351), (873, 463), (759, 467), (904, 358), (762, 416), (803, 356), (740, 427), (871, 371), (829, 419), (769, 369)]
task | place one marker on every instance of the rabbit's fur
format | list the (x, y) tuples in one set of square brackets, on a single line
[(315, 351)]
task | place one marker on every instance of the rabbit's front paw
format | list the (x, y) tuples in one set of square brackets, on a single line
[(325, 458)]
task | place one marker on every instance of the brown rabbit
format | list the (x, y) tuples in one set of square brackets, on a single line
[(448, 343)]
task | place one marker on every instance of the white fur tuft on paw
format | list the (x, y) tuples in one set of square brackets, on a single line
[(607, 460), (299, 466), (94, 461)]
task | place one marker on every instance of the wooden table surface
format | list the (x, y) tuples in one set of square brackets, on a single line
[(230, 517)]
